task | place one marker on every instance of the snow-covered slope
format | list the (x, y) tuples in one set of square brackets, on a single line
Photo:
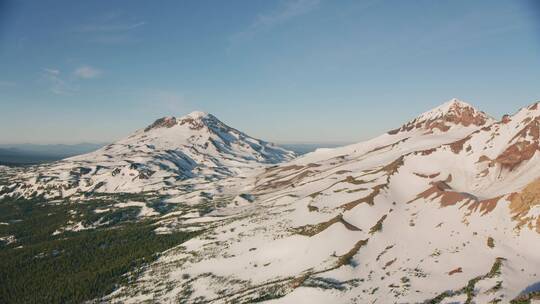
[(450, 115), (445, 209), (157, 157)]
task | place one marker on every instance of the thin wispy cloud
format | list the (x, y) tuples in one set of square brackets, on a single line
[(51, 72), (61, 83), (289, 10), (114, 39), (56, 83), (113, 28), (119, 27), (87, 72)]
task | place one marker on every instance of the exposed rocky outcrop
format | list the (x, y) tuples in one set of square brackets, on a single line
[(448, 115)]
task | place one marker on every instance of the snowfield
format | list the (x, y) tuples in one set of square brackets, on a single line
[(170, 153), (444, 209)]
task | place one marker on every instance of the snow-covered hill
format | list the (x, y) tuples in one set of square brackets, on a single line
[(158, 157), (445, 209)]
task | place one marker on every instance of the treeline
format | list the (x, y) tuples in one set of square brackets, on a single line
[(74, 266)]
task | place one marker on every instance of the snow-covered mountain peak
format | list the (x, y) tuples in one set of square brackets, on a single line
[(450, 114), (195, 119), (198, 115), (169, 150), (456, 111), (445, 210), (195, 123), (450, 106)]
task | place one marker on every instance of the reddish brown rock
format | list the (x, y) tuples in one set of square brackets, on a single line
[(484, 206), (164, 122), (194, 124), (522, 202), (426, 175), (454, 271), (428, 151), (442, 191), (457, 146), (457, 114), (483, 158), (525, 144)]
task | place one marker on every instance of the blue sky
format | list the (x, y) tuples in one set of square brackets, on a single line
[(286, 70)]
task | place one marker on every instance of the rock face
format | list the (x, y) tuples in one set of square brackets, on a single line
[(525, 204), (164, 122), (169, 151), (523, 145), (401, 218)]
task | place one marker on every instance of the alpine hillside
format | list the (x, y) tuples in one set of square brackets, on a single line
[(167, 152), (444, 209)]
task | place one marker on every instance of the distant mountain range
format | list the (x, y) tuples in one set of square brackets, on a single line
[(34, 154), (27, 154), (303, 148)]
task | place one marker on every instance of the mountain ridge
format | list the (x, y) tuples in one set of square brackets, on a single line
[(447, 115), (444, 210), (418, 216), (167, 152)]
